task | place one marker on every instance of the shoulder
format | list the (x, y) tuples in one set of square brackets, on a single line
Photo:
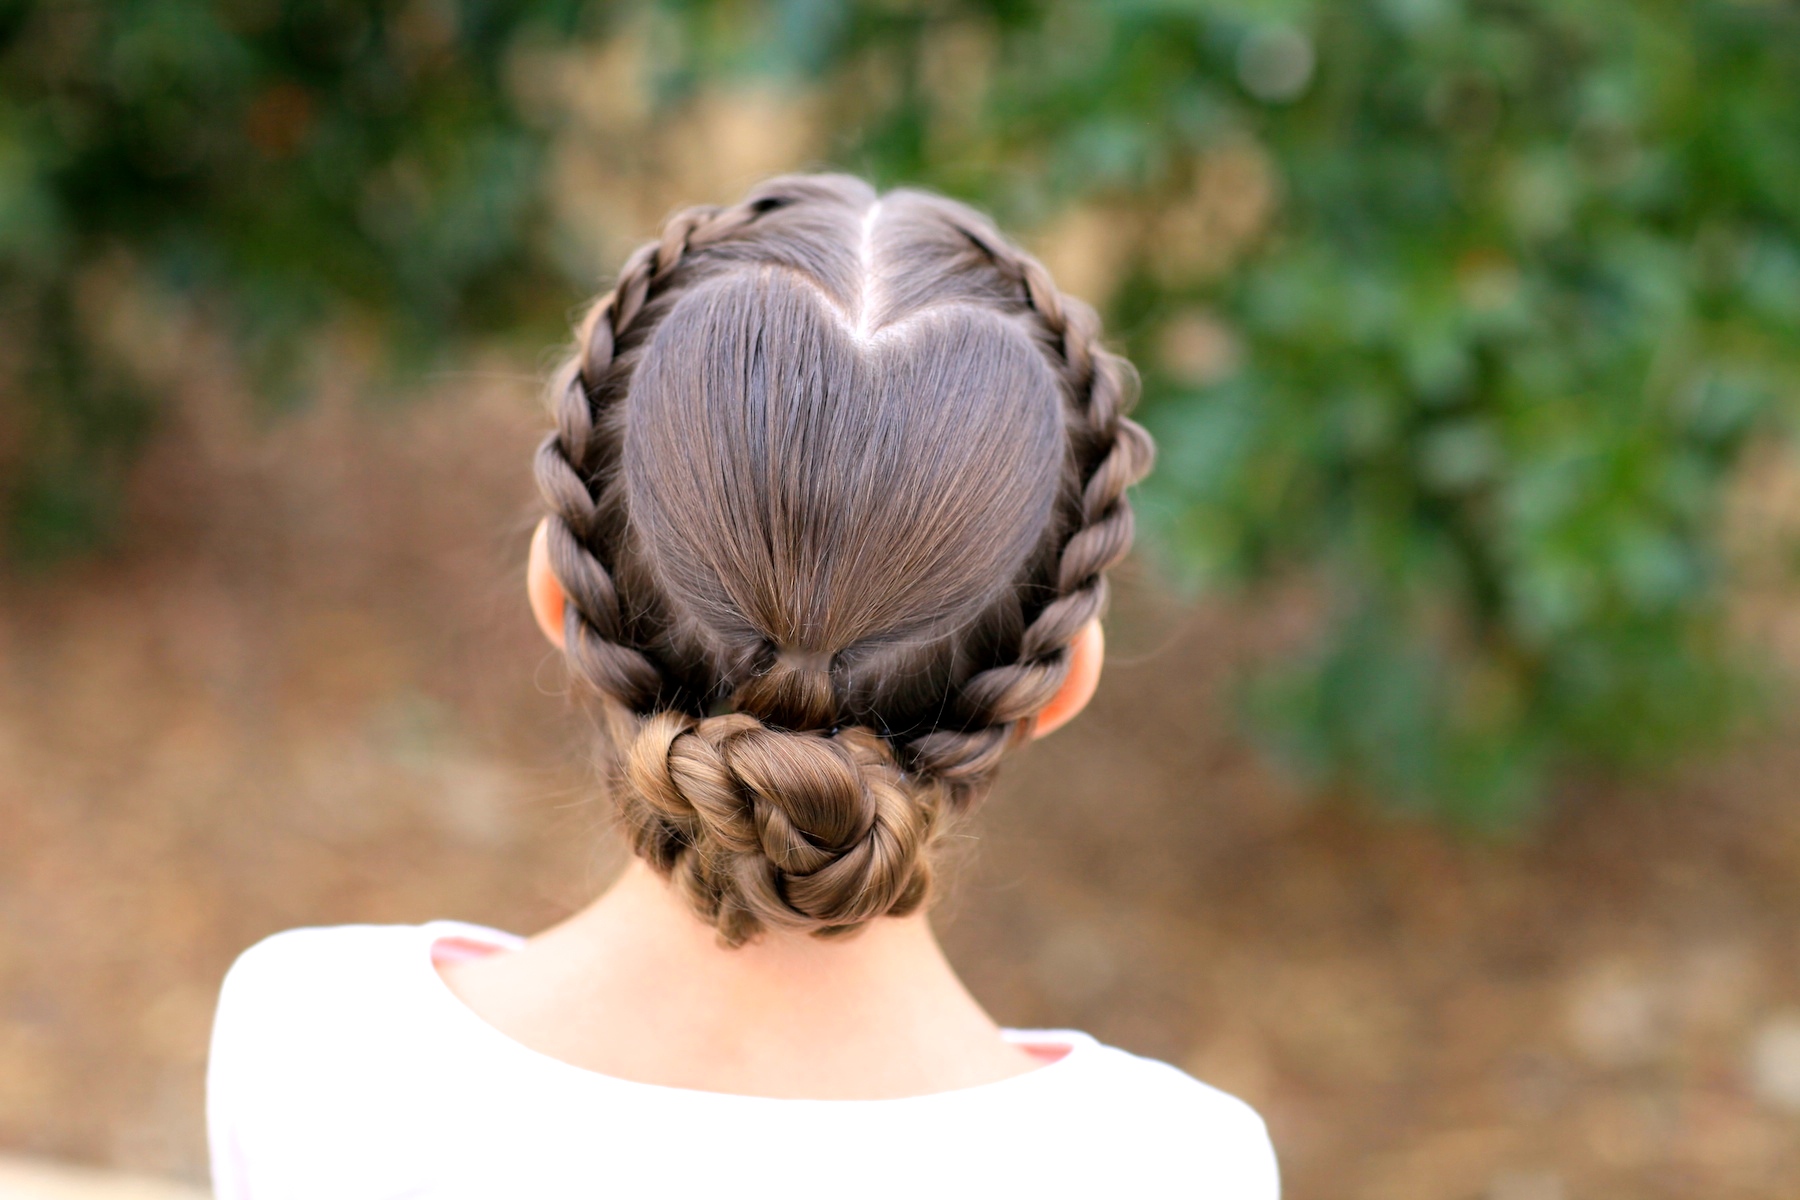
[(1177, 1126), (316, 1034), (312, 1024), (298, 1000), (314, 945), (1158, 1092), (296, 970)]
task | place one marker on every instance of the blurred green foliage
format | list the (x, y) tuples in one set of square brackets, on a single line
[(285, 161), (1468, 309)]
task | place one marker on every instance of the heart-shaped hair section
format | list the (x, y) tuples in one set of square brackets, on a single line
[(810, 485)]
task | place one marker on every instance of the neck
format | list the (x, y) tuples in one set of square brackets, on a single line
[(642, 928), (636, 985)]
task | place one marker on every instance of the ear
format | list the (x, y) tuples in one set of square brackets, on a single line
[(1086, 653), (543, 587)]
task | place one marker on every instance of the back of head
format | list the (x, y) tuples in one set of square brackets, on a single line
[(835, 482)]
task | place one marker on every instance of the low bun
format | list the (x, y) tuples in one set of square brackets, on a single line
[(763, 827)]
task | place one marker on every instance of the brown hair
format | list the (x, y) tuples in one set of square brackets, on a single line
[(834, 483)]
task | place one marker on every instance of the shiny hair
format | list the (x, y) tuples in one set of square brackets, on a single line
[(835, 482)]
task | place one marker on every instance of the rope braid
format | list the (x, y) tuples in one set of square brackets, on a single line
[(1114, 452), (761, 824), (568, 471)]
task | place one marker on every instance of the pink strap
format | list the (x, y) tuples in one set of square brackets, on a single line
[(448, 950)]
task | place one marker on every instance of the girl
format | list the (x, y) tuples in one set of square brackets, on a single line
[(834, 485)]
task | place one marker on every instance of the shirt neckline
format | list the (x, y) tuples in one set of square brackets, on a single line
[(1080, 1046)]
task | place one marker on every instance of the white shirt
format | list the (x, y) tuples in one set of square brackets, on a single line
[(343, 1067)]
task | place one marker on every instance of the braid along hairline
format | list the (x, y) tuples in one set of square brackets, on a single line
[(594, 624), (1006, 695), (594, 627), (1001, 702)]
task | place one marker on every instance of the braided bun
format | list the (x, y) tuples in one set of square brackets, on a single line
[(804, 831), (850, 469)]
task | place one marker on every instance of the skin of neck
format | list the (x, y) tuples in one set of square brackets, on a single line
[(637, 986)]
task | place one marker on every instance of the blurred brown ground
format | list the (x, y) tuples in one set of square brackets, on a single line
[(307, 691)]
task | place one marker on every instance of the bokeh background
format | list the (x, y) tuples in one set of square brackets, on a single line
[(1440, 795)]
